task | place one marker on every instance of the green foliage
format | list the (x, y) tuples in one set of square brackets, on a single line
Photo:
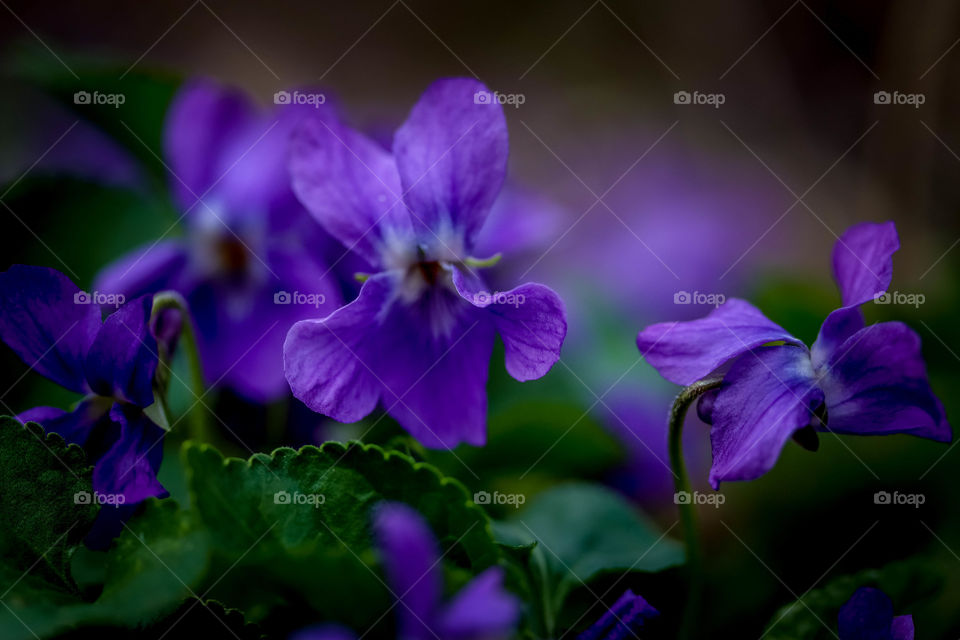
[(581, 532), (240, 501), (808, 619), (42, 522), (318, 553), (283, 563), (157, 562)]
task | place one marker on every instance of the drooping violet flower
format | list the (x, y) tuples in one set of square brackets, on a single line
[(420, 334), (868, 615), (624, 619), (57, 331), (252, 261), (411, 558), (855, 379)]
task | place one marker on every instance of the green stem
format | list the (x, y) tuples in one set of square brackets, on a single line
[(688, 515), (199, 427)]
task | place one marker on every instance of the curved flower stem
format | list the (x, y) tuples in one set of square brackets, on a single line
[(199, 427), (688, 516)]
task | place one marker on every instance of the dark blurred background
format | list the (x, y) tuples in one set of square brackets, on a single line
[(745, 198)]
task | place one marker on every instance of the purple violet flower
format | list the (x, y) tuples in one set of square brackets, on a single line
[(628, 615), (420, 334), (482, 610), (411, 558), (855, 379), (57, 331), (868, 615), (252, 262)]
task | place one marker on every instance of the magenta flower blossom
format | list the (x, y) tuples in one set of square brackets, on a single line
[(868, 615), (624, 619), (252, 261), (420, 334), (855, 379), (58, 333)]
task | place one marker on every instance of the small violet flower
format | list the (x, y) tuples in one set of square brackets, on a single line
[(868, 615), (57, 332), (252, 261), (420, 334), (855, 379), (624, 619), (411, 558), (482, 610)]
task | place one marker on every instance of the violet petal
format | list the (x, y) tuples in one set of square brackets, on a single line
[(452, 156), (767, 395), (684, 352)]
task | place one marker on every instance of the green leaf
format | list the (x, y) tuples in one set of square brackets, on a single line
[(285, 565), (154, 566), (583, 531), (42, 521), (292, 529), (325, 495), (905, 582), (158, 561)]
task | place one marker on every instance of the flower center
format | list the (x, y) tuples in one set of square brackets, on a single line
[(428, 270), (232, 257)]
